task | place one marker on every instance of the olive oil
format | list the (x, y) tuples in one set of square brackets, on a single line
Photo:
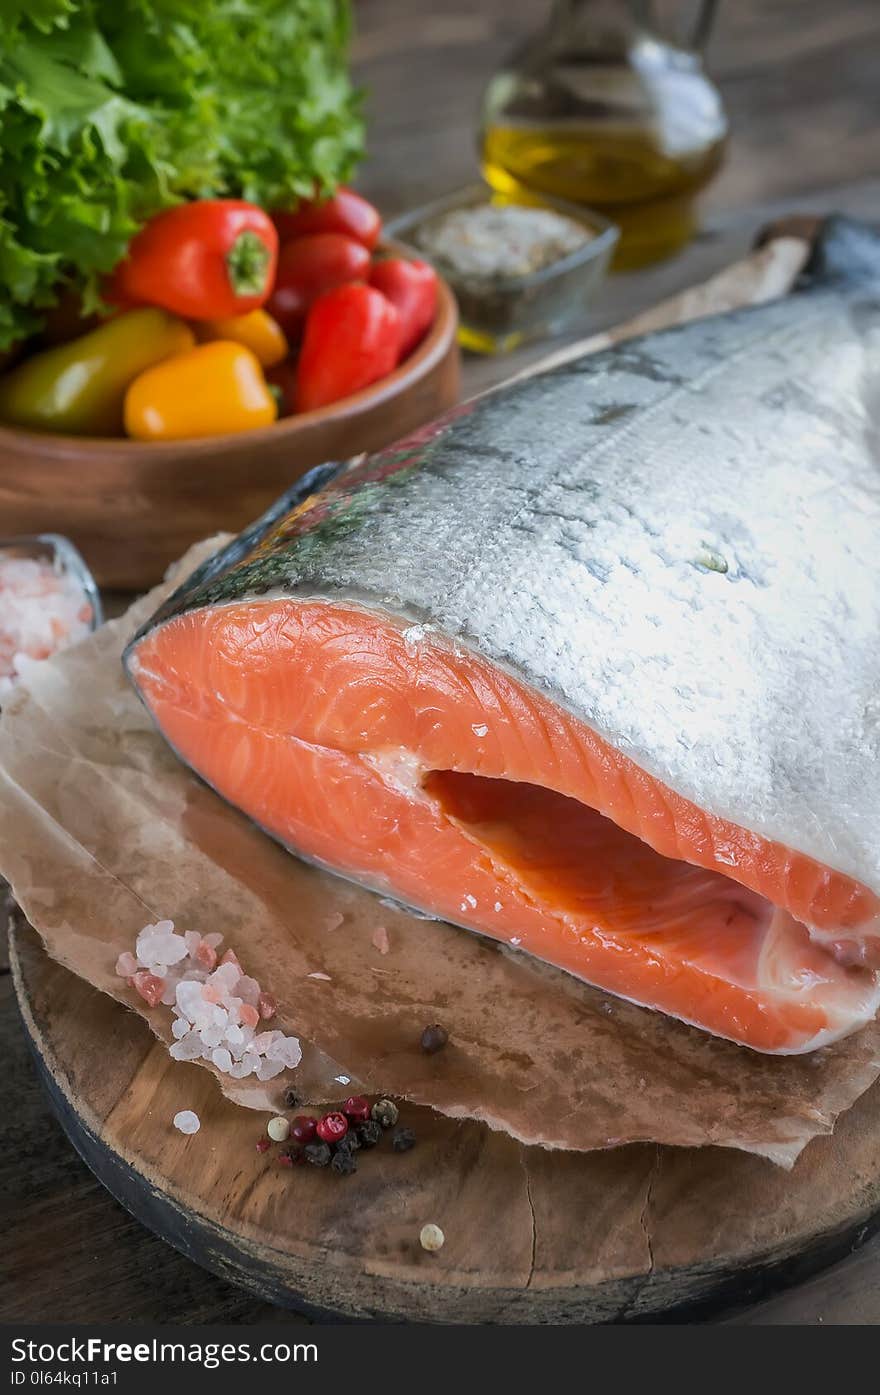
[(600, 111)]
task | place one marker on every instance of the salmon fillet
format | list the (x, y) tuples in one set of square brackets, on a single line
[(437, 778), (589, 665)]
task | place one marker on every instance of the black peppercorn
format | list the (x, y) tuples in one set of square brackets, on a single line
[(402, 1140), (434, 1038), (318, 1154), (291, 1098), (386, 1113), (369, 1133), (344, 1162), (350, 1141)]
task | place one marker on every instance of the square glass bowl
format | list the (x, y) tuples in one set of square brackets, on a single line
[(500, 312)]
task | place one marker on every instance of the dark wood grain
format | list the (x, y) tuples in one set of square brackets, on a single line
[(799, 78), (622, 1235)]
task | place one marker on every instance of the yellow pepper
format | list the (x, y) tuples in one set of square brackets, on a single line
[(214, 389), (79, 388), (256, 330)]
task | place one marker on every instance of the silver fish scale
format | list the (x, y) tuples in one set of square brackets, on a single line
[(677, 541)]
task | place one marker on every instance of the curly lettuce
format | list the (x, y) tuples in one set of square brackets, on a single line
[(113, 109)]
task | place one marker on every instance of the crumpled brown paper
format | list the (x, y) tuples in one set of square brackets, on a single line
[(103, 830)]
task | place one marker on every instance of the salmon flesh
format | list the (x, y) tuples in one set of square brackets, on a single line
[(591, 665)]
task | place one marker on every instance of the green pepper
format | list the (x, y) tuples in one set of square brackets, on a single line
[(79, 388)]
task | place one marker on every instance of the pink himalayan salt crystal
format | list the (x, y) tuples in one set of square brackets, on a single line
[(216, 1009), (380, 939), (149, 986), (334, 921), (248, 990), (42, 609), (248, 1015), (126, 965), (205, 955)]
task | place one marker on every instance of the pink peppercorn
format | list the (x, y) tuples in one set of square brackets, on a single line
[(303, 1128), (285, 1160), (332, 1127), (149, 986), (262, 1145), (266, 1006), (356, 1109)]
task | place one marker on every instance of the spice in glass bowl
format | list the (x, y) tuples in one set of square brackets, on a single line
[(520, 268), (489, 242)]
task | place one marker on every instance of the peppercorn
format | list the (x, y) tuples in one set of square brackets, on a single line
[(318, 1154), (291, 1098), (431, 1238), (332, 1127), (344, 1162), (278, 1129), (350, 1141), (434, 1038), (303, 1128), (369, 1133), (386, 1113), (402, 1140), (356, 1109), (262, 1145), (285, 1159)]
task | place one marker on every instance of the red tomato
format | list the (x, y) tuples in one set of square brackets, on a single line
[(346, 212), (412, 287), (205, 260), (352, 338), (307, 267)]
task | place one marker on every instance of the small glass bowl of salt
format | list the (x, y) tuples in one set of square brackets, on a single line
[(48, 601), (522, 267)]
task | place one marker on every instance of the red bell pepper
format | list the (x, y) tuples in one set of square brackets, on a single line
[(307, 267), (352, 337), (205, 260), (412, 287), (346, 212)]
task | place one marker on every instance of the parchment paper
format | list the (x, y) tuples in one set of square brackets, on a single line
[(102, 830)]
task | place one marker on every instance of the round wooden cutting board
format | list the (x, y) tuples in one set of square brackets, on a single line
[(531, 1236)]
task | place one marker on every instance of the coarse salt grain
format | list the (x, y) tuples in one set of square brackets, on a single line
[(380, 939), (216, 1009), (43, 609), (187, 1122)]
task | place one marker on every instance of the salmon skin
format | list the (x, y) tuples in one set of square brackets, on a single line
[(590, 665)]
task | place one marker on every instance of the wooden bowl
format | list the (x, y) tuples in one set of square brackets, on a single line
[(132, 507)]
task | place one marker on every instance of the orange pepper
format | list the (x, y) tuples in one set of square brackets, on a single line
[(256, 330), (211, 390)]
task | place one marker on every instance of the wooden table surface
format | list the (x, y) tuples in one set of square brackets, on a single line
[(799, 78)]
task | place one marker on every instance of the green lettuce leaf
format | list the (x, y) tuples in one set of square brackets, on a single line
[(113, 109)]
